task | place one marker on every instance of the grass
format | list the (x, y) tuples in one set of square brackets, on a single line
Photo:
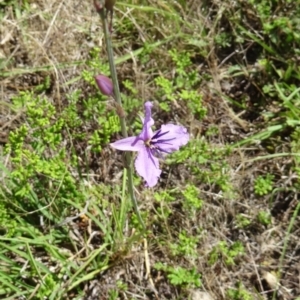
[(223, 221)]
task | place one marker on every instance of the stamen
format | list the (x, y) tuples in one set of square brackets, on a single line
[(163, 141), (158, 135)]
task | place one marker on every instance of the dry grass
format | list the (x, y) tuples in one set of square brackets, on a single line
[(53, 39)]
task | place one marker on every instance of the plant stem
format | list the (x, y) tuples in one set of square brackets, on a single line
[(117, 95)]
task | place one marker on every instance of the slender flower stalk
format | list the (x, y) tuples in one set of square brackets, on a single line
[(128, 157)]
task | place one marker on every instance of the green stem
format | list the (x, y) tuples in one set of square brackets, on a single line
[(117, 95)]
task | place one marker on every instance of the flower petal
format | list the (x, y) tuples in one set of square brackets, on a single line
[(172, 137), (147, 132), (147, 166), (127, 144)]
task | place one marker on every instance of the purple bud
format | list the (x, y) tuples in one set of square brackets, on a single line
[(105, 85)]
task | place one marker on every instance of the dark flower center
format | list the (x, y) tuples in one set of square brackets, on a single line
[(154, 144)]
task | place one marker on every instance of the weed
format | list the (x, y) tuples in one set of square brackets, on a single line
[(263, 184), (113, 294), (130, 98), (7, 224), (164, 198), (182, 87), (186, 246), (242, 221), (179, 276), (122, 285), (197, 155), (191, 198), (240, 293), (34, 170), (227, 253), (264, 217)]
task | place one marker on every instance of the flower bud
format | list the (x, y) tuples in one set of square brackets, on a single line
[(104, 84)]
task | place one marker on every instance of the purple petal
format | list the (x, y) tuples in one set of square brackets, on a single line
[(148, 105), (148, 122), (127, 144), (147, 166), (147, 132), (171, 137)]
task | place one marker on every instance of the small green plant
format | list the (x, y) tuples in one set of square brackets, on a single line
[(186, 246), (242, 221), (122, 285), (47, 286), (130, 99), (95, 141), (223, 39), (167, 88), (191, 198), (38, 157), (164, 198), (70, 113), (227, 253), (263, 184), (95, 64), (182, 87), (240, 293), (198, 155), (179, 276), (108, 125), (264, 217), (113, 294), (7, 223)]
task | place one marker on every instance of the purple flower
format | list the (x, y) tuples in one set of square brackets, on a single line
[(104, 84), (151, 146)]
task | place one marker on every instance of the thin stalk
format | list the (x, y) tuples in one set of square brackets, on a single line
[(121, 114)]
